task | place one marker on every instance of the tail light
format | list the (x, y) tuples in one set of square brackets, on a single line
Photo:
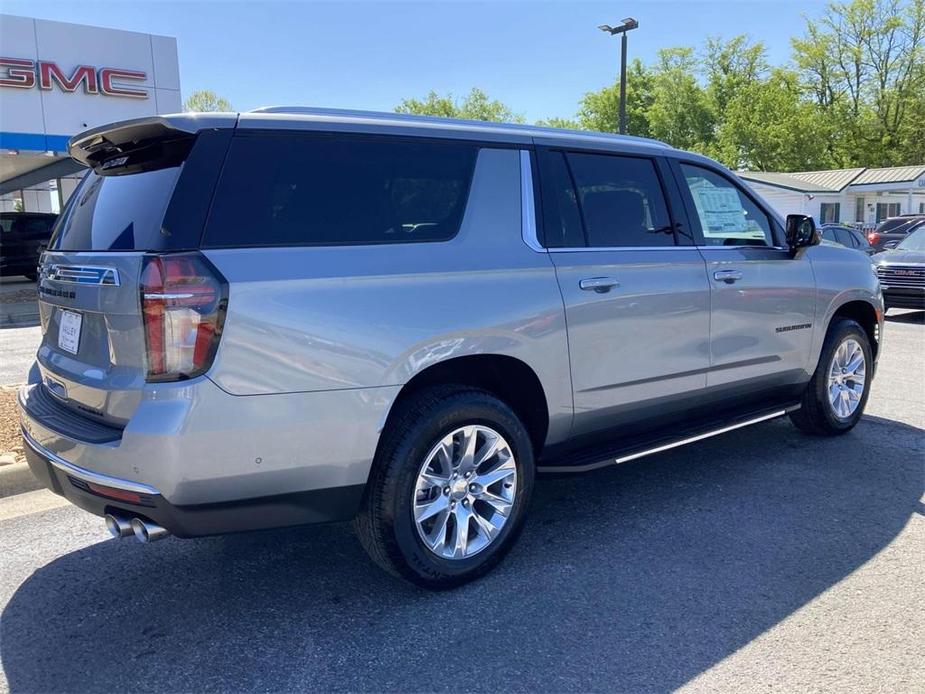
[(873, 237), (183, 300)]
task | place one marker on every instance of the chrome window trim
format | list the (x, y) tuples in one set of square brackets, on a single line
[(599, 249), (87, 475), (528, 204)]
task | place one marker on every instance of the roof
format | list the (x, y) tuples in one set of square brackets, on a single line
[(831, 181), (835, 180), (893, 174)]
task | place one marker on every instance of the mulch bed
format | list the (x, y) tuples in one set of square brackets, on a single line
[(10, 438)]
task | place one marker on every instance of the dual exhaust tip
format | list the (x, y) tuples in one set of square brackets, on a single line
[(144, 530)]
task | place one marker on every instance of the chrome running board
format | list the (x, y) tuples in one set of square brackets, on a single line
[(667, 446)]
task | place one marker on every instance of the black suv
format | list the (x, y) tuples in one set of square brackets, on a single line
[(23, 237), (893, 230)]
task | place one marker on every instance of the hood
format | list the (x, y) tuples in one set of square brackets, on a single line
[(900, 256)]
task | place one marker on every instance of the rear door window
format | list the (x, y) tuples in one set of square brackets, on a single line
[(303, 190), (603, 201)]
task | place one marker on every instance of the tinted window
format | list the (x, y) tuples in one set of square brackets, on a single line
[(728, 217), (39, 226), (562, 226), (845, 238), (828, 233), (860, 240), (621, 201), (323, 190), (117, 213)]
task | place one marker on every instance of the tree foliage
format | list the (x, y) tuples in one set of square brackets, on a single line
[(853, 95), (204, 100), (475, 106)]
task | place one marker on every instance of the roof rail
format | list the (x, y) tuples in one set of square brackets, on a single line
[(536, 130)]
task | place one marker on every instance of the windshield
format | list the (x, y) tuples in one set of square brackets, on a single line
[(914, 241)]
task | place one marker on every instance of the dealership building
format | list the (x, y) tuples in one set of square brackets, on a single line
[(57, 79)]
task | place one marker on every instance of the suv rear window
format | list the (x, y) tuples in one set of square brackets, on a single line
[(117, 213), (303, 190)]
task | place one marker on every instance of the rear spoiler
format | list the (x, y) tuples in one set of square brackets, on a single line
[(143, 143)]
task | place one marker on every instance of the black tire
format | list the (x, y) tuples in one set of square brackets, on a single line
[(816, 414), (385, 523)]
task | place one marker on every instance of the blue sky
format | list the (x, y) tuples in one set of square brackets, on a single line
[(538, 57)]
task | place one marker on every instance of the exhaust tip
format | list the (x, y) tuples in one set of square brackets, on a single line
[(146, 531), (118, 526)]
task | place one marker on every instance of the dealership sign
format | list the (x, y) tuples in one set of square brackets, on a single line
[(22, 73)]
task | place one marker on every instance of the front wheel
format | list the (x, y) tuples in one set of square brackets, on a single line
[(835, 398), (449, 488)]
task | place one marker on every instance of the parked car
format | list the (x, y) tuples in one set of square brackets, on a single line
[(23, 237), (847, 236), (901, 271), (893, 230), (294, 315)]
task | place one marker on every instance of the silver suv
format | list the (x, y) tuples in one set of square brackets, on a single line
[(297, 315)]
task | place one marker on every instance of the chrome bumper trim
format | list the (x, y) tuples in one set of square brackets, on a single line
[(84, 474)]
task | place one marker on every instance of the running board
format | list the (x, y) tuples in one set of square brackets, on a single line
[(666, 445)]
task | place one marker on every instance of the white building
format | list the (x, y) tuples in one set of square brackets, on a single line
[(853, 196), (57, 79)]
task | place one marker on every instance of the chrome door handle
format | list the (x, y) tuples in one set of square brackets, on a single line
[(599, 284), (727, 276)]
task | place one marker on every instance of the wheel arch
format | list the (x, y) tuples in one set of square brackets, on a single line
[(865, 314), (509, 378)]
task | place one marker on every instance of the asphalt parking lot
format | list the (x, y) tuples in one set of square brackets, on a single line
[(764, 560)]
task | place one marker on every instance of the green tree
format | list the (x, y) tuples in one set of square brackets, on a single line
[(731, 66), (768, 126), (475, 106), (556, 122), (679, 114), (204, 100), (600, 110), (861, 63)]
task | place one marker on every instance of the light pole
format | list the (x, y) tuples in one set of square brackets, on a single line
[(628, 25)]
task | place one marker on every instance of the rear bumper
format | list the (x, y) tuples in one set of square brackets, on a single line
[(207, 462), (82, 487)]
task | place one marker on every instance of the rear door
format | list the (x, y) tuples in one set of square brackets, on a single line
[(93, 352), (763, 301), (634, 287)]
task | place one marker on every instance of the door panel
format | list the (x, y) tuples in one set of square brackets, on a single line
[(645, 338), (762, 324), (763, 301)]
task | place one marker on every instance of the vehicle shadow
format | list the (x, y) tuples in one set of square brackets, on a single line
[(632, 578)]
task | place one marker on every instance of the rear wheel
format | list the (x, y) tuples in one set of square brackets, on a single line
[(449, 489), (836, 396)]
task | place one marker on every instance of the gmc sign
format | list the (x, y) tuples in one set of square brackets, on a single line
[(21, 73)]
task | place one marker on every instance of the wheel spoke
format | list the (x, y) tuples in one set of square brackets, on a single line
[(487, 527), (461, 533), (498, 503), (436, 538), (488, 450), (422, 512), (469, 436), (501, 472)]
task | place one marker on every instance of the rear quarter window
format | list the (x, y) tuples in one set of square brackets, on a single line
[(304, 190)]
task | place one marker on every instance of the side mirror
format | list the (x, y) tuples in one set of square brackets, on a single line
[(801, 232)]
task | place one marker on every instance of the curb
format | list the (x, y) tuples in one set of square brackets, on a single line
[(17, 479)]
